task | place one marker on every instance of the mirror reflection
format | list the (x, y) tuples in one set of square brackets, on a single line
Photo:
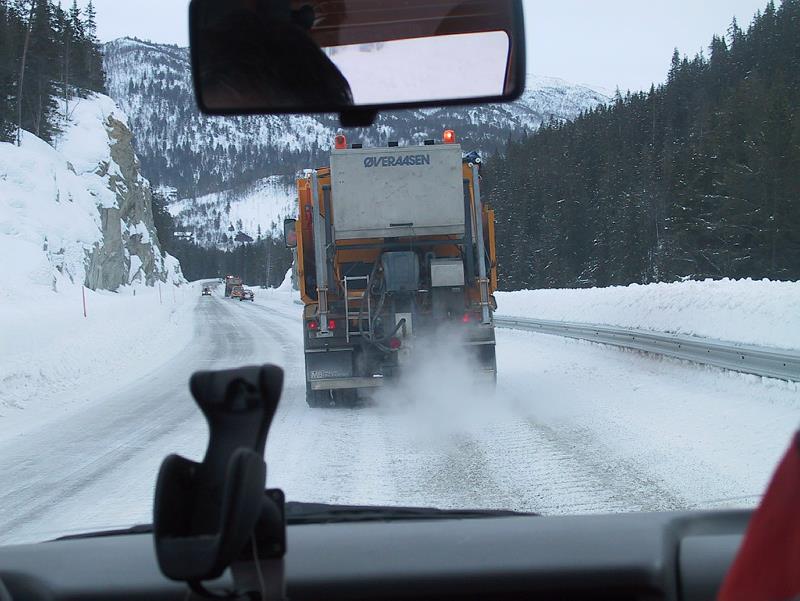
[(257, 56), (470, 65), (290, 233)]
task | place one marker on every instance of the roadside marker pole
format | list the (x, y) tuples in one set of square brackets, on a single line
[(160, 301), (83, 293)]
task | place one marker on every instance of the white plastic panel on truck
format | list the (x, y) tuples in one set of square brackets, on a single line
[(397, 192), (447, 273)]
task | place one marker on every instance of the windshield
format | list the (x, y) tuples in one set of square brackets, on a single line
[(585, 301)]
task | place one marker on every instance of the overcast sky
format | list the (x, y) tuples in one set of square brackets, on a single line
[(625, 43)]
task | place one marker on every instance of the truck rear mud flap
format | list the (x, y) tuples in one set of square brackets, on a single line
[(332, 371)]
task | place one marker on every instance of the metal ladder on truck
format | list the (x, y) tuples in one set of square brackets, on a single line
[(351, 312)]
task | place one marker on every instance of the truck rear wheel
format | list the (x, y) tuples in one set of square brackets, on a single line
[(346, 398), (318, 398), (489, 362)]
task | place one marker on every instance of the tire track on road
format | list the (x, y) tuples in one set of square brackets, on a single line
[(510, 463), (50, 469)]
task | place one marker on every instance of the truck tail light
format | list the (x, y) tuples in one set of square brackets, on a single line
[(313, 326), (467, 318), (331, 324), (395, 343), (449, 136), (340, 142)]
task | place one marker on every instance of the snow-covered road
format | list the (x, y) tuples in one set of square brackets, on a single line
[(573, 428)]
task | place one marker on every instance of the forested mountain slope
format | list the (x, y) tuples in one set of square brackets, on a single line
[(46, 54), (697, 178)]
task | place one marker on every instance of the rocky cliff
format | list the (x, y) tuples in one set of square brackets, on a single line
[(129, 251), (79, 211)]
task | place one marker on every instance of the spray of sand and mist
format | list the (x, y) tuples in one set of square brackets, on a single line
[(442, 387)]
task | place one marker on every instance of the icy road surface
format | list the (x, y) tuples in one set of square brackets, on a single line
[(573, 428)]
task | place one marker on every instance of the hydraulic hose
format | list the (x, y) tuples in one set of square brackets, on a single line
[(367, 291), (372, 289), (399, 325)]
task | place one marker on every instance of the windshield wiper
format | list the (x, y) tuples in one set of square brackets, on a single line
[(137, 529), (321, 513)]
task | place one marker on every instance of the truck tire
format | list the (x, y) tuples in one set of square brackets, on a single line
[(317, 399), (347, 397), (489, 361)]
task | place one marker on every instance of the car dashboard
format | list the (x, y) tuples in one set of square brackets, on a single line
[(630, 557)]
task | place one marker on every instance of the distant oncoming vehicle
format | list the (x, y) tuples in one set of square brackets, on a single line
[(206, 291), (237, 291), (247, 294)]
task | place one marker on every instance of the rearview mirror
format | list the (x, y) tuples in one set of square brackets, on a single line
[(354, 57), (290, 232)]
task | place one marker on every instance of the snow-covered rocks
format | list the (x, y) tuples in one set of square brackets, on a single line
[(48, 218)]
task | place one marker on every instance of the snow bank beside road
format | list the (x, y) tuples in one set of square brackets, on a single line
[(54, 361), (762, 312)]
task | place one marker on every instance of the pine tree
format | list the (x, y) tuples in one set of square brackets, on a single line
[(42, 52), (10, 33), (64, 39), (41, 71)]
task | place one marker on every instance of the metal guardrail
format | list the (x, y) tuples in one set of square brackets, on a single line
[(760, 361)]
